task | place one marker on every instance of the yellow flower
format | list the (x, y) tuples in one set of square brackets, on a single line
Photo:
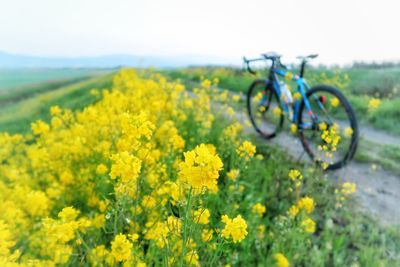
[(68, 214), (178, 142), (94, 92), (246, 150), (232, 130), (293, 128), (98, 221), (206, 83), (157, 232), (101, 169), (322, 126), (331, 137), (260, 231), (201, 216), (281, 260), (257, 97), (207, 235), (200, 168), (37, 203), (297, 96), (295, 175), (56, 122), (121, 248), (293, 211), (236, 98), (149, 202), (235, 229), (55, 110), (374, 103), (348, 188), (306, 203), (277, 111), (230, 111), (258, 209), (348, 132), (288, 76), (98, 255), (374, 167), (335, 102), (233, 174), (39, 127), (7, 243), (66, 178), (308, 225), (125, 166), (174, 225)]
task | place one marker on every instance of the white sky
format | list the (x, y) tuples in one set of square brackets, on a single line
[(340, 31)]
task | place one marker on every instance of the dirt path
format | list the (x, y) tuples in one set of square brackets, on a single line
[(374, 135), (378, 191)]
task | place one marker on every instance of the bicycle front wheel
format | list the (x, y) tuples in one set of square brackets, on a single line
[(264, 109), (328, 128)]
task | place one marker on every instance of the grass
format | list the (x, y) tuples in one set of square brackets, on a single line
[(17, 116), (8, 96), (15, 78), (359, 87), (387, 156)]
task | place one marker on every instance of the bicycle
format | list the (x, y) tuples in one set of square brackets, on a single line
[(321, 116)]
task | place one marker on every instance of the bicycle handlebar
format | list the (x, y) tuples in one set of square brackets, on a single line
[(248, 61), (275, 58)]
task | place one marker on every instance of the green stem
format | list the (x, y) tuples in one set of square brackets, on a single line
[(185, 222)]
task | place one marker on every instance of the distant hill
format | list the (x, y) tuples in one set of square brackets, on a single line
[(8, 60)]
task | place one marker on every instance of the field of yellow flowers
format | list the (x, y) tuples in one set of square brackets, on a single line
[(151, 175)]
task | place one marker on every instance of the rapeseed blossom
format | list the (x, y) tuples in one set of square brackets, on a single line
[(121, 248), (246, 150), (233, 174), (125, 166), (335, 102), (293, 128), (200, 169), (281, 260), (348, 132), (234, 228), (304, 203), (296, 177), (40, 127), (307, 204), (373, 104), (201, 216), (348, 188), (258, 209), (68, 214), (308, 225)]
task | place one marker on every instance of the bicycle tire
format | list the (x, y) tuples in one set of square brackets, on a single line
[(268, 89), (352, 119)]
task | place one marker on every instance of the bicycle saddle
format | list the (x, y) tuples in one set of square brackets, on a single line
[(307, 57), (271, 55)]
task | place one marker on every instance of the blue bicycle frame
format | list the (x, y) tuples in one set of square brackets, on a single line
[(302, 88)]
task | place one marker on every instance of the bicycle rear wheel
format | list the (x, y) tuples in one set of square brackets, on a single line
[(264, 109), (329, 131)]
